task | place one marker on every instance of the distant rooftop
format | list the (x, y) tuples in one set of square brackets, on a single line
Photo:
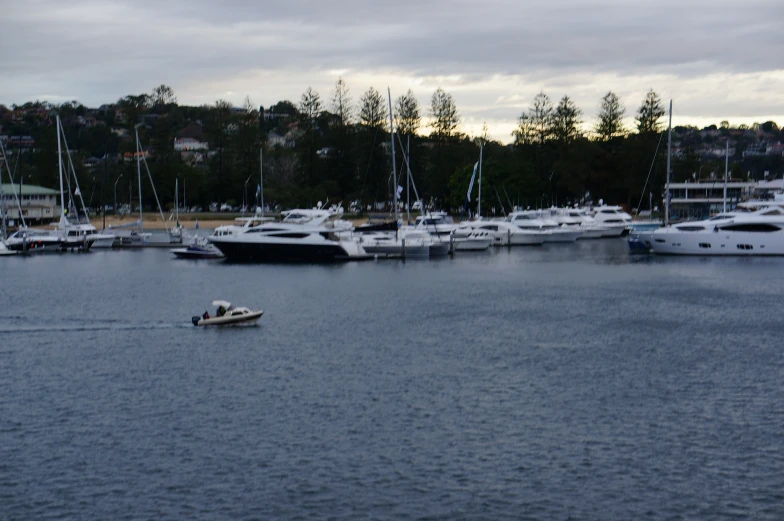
[(29, 190)]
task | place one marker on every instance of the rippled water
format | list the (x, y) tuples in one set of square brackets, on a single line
[(564, 382)]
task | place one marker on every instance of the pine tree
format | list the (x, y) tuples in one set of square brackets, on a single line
[(407, 119), (310, 108), (341, 103), (610, 118), (443, 112), (566, 121), (649, 114), (372, 110)]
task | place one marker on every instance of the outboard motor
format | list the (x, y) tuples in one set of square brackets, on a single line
[(195, 320)]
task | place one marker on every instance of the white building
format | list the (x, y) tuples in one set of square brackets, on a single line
[(38, 204), (188, 144)]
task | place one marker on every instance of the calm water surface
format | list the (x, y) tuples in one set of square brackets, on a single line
[(564, 382)]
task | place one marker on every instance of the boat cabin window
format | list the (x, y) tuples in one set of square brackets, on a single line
[(757, 227), (611, 212), (691, 228)]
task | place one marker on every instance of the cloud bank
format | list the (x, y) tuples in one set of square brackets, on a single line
[(716, 60)]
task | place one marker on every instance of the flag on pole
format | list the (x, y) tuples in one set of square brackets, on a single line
[(258, 189), (471, 185)]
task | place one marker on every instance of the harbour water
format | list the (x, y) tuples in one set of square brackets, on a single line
[(559, 382)]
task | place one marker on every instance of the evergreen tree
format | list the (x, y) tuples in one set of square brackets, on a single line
[(566, 121), (610, 118), (372, 110), (341, 103), (310, 108), (407, 119), (445, 117), (541, 118), (649, 114)]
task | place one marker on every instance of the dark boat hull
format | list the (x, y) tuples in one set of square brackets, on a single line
[(282, 252)]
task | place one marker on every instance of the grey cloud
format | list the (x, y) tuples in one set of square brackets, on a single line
[(100, 51)]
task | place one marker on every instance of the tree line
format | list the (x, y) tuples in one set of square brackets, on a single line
[(337, 149)]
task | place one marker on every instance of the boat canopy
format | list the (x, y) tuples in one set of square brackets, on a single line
[(223, 303)]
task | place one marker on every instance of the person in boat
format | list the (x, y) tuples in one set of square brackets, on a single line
[(221, 311), (206, 315)]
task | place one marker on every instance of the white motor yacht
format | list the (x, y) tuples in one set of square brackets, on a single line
[(302, 236), (614, 219), (760, 232), (531, 220), (35, 241), (578, 217), (507, 234)]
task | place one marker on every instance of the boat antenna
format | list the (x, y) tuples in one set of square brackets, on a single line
[(394, 170), (669, 153)]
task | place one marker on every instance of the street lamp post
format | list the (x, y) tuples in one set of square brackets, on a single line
[(115, 193)]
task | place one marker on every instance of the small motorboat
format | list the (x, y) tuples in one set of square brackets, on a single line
[(227, 315), (199, 249)]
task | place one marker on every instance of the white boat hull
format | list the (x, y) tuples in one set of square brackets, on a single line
[(721, 243), (472, 244), (564, 236)]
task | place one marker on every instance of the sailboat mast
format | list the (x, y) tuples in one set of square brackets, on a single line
[(177, 200), (261, 178), (726, 173), (60, 167), (479, 204), (392, 142), (3, 211), (408, 181), (669, 153), (139, 175)]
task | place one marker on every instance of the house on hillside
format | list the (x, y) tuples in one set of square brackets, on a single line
[(193, 130)]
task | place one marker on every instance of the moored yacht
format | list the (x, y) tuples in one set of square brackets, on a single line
[(507, 234), (302, 236), (530, 220), (732, 233), (614, 219)]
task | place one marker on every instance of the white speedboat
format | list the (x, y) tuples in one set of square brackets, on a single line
[(200, 248), (227, 315)]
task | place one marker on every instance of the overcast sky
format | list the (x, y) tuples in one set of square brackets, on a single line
[(716, 59)]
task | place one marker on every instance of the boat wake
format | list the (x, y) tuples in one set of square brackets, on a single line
[(98, 325)]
